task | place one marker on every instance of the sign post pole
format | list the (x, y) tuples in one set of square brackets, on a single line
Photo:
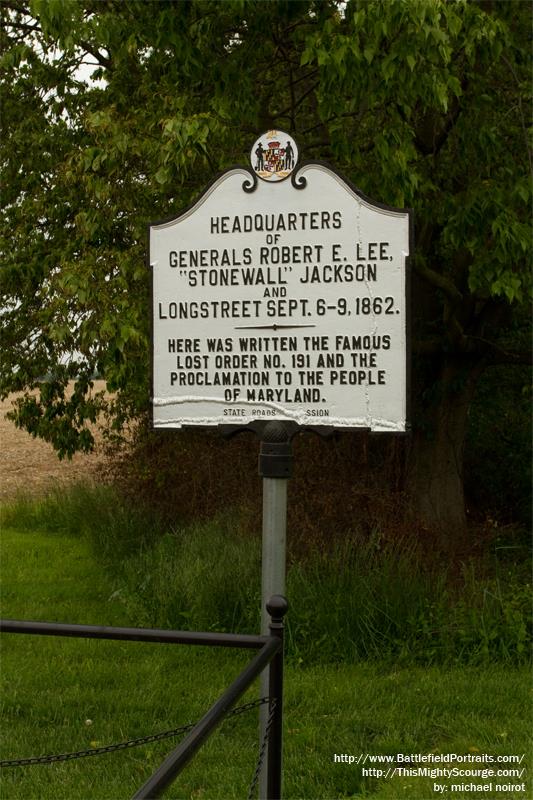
[(275, 467)]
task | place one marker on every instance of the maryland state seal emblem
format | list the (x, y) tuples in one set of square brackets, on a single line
[(274, 156)]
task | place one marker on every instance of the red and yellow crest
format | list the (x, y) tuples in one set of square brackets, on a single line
[(274, 156)]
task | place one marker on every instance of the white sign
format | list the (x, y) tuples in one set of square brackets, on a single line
[(284, 301)]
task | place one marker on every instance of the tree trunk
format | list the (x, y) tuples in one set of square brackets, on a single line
[(434, 478)]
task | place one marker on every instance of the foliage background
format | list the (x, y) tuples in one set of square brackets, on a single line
[(421, 103)]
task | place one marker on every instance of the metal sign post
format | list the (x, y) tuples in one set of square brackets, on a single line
[(275, 467)]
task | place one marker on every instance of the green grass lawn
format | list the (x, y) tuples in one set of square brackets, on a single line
[(61, 695)]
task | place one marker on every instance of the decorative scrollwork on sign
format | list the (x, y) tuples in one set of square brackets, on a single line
[(297, 180), (250, 183)]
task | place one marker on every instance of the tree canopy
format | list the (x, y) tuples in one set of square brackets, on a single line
[(420, 103)]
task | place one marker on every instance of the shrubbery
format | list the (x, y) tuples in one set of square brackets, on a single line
[(365, 597), (498, 446), (352, 479)]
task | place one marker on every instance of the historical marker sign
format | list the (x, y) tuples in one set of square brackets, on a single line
[(281, 298)]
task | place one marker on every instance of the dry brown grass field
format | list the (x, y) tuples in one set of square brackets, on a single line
[(31, 465)]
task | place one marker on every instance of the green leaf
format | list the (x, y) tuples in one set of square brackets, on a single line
[(162, 175), (369, 53)]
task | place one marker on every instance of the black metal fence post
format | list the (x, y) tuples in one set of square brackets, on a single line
[(185, 750), (277, 608)]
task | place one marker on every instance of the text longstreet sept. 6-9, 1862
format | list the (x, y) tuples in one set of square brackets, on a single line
[(282, 303)]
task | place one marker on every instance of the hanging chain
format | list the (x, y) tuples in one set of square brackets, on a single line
[(112, 748), (262, 751)]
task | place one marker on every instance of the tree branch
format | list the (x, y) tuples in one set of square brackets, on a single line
[(23, 26), (494, 354), (102, 60), (427, 347), (441, 282), (295, 103), (522, 118), (310, 74)]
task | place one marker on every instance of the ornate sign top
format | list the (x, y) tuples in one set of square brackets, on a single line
[(274, 156)]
